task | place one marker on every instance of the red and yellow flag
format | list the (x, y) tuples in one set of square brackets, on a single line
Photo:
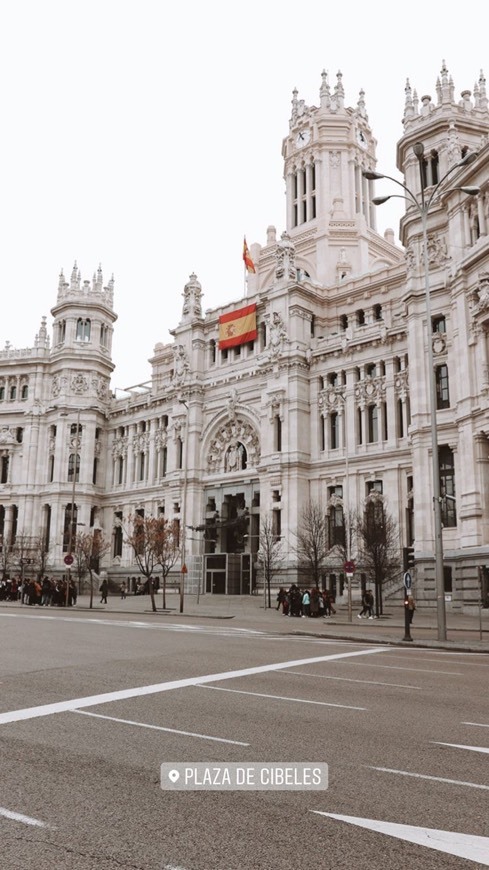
[(249, 264), (237, 327)]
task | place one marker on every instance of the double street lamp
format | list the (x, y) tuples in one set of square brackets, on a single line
[(422, 204)]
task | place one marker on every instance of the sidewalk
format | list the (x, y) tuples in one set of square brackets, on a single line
[(465, 632)]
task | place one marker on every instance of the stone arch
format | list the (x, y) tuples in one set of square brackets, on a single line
[(234, 445)]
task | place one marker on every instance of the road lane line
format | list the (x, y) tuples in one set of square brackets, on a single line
[(19, 817), (484, 749), (469, 846), (139, 691), (160, 728), (348, 680), (281, 698), (425, 776), (399, 668), (477, 724)]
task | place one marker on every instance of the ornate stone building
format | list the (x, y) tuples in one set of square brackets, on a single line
[(329, 401)]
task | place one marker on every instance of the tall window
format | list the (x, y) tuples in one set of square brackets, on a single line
[(438, 323), (442, 394), (447, 487), (83, 327), (74, 467), (336, 518), (334, 430), (373, 423), (179, 453), (70, 520), (4, 469), (120, 469), (118, 534), (277, 433)]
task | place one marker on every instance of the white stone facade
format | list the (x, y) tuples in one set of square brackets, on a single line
[(329, 402)]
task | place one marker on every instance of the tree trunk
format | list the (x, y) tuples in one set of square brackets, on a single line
[(91, 590), (164, 590), (152, 594)]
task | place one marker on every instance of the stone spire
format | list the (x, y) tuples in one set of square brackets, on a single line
[(285, 256), (324, 91), (192, 295)]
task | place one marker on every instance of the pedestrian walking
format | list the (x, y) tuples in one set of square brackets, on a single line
[(104, 588), (123, 590), (367, 602)]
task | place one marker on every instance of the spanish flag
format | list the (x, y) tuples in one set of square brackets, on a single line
[(249, 264), (237, 327)]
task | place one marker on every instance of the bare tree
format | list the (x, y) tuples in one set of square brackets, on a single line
[(89, 549), (312, 541), (378, 540), (166, 548), (41, 556), (24, 554), (142, 538), (270, 555)]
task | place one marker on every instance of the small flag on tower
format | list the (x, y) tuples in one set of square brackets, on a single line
[(249, 264)]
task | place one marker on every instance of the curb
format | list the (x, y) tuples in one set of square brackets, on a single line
[(428, 644)]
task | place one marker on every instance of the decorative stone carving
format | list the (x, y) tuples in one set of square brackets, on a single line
[(161, 438), (223, 454), (119, 447), (7, 436), (79, 384), (285, 256), (181, 363), (277, 335)]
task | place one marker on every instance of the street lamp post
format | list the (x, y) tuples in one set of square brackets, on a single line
[(423, 205), (72, 513)]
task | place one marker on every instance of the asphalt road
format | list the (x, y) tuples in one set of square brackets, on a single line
[(405, 733)]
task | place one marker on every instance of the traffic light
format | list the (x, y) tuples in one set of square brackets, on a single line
[(408, 558)]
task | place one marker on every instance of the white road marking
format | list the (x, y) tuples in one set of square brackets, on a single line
[(281, 698), (160, 728), (119, 623), (450, 842), (462, 746), (477, 724), (138, 691), (348, 680), (19, 817), (399, 668), (434, 778)]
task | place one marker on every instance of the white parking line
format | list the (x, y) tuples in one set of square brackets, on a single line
[(25, 820), (160, 728), (348, 680), (139, 691), (462, 746), (425, 776), (399, 668), (281, 698), (477, 724)]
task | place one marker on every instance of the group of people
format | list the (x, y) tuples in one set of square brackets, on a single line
[(305, 602), (45, 592)]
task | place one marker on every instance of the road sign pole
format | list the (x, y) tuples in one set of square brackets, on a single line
[(408, 582)]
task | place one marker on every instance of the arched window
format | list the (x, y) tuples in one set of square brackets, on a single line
[(13, 393), (24, 392)]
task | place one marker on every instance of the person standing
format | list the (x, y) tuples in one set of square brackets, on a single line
[(411, 607), (123, 590), (104, 588)]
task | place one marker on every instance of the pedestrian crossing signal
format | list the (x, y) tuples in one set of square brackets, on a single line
[(408, 558)]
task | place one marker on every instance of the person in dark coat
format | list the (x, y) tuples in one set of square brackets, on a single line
[(104, 589)]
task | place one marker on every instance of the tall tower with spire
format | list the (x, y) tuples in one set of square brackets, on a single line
[(81, 357), (330, 217)]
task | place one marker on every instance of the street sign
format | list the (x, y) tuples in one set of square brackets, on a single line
[(349, 567), (68, 560), (408, 580)]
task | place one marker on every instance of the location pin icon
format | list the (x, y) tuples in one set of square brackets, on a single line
[(173, 775)]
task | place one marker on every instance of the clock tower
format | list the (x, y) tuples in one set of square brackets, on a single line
[(330, 217)]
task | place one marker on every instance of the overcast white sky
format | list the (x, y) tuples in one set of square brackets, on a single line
[(146, 135)]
